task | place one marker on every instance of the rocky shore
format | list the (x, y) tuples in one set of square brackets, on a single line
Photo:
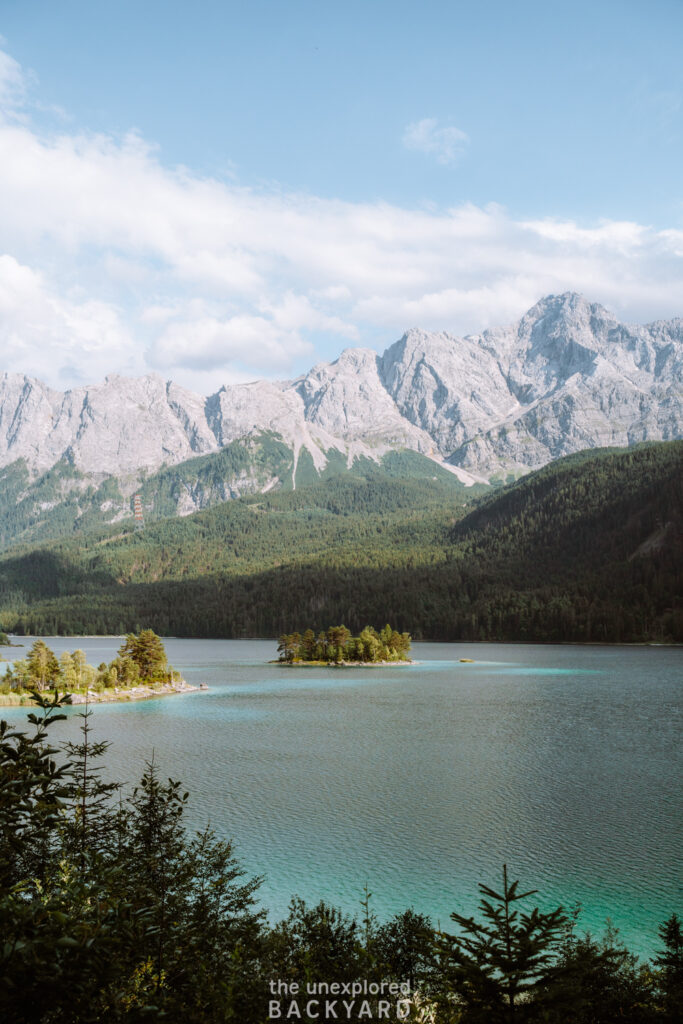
[(132, 693), (110, 696)]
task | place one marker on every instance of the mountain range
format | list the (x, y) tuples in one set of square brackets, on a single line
[(567, 376)]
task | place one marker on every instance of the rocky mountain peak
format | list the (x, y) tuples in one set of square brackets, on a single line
[(567, 375)]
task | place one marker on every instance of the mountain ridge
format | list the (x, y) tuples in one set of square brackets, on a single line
[(566, 376)]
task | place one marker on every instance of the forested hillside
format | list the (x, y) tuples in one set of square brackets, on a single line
[(63, 502), (587, 549)]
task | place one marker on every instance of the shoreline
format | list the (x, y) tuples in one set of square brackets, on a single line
[(269, 639), (107, 696), (342, 664)]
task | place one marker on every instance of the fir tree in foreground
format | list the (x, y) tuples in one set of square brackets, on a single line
[(670, 963), (110, 911), (497, 968)]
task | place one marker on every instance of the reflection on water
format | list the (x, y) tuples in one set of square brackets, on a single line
[(564, 762)]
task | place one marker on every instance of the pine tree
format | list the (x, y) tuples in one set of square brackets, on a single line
[(670, 964), (91, 827), (79, 665), (33, 790), (494, 968), (316, 944), (221, 938), (42, 665), (405, 948), (369, 923), (598, 980), (58, 944), (147, 651), (67, 671)]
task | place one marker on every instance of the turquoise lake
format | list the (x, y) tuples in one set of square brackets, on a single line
[(563, 762)]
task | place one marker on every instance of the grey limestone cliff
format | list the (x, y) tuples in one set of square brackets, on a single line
[(568, 375)]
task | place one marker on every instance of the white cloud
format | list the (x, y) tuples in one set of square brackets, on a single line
[(210, 343), (116, 262), (47, 335), (446, 144), (267, 341)]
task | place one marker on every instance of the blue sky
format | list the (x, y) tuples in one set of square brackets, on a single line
[(221, 191)]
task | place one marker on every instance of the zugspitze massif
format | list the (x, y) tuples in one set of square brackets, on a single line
[(566, 377)]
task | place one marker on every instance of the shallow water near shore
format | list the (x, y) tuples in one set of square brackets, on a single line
[(562, 761)]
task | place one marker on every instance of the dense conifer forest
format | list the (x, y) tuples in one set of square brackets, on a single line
[(588, 549), (112, 912)]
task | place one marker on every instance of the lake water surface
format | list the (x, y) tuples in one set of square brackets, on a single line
[(564, 762)]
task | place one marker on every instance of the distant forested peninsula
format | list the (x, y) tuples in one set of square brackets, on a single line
[(336, 646)]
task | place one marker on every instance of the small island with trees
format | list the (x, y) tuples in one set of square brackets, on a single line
[(140, 669), (336, 646)]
